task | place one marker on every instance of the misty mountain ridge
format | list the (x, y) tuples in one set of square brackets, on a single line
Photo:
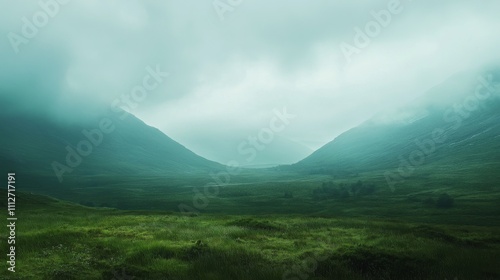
[(108, 144), (455, 90), (456, 121)]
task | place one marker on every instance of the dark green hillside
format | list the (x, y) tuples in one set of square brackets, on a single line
[(30, 145)]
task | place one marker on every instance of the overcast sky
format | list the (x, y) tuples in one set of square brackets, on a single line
[(231, 67)]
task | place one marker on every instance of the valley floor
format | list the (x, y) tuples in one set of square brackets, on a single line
[(61, 240)]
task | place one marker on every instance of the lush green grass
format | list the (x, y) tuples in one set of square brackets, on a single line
[(262, 225), (59, 240)]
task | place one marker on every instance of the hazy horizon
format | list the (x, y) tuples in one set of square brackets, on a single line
[(228, 72)]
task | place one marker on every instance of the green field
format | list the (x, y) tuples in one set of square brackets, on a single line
[(262, 225)]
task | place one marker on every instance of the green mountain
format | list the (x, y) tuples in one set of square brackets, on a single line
[(454, 126), (106, 144)]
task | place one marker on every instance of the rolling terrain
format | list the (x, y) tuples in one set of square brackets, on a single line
[(409, 197), (61, 240)]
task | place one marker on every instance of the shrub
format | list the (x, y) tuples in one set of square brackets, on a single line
[(328, 190), (429, 201), (87, 203), (288, 194), (367, 189), (445, 201), (343, 193)]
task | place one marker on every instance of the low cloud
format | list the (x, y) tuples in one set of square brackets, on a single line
[(227, 76)]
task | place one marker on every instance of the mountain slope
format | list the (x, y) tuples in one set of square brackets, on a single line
[(101, 145), (455, 123)]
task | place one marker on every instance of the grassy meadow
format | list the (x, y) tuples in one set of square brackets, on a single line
[(273, 226)]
